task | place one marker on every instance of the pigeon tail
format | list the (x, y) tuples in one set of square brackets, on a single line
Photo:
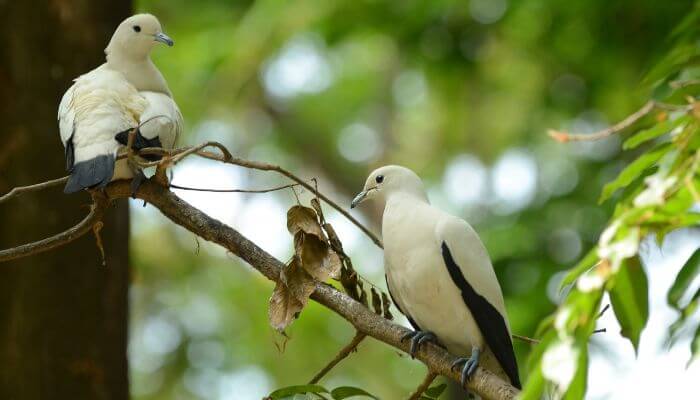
[(95, 172)]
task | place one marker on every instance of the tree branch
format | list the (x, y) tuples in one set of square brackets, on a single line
[(484, 382), (342, 354), (227, 158), (96, 211), (438, 360), (32, 188), (429, 378), (564, 137)]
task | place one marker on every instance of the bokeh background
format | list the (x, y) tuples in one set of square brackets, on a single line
[(462, 92)]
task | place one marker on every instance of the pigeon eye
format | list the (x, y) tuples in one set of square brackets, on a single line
[(379, 178), (137, 28)]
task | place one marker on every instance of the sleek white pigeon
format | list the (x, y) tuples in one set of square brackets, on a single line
[(440, 276), (97, 113)]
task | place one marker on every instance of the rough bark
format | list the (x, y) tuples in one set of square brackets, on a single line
[(63, 316)]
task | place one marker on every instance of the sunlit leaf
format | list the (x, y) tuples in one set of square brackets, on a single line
[(344, 392), (577, 388), (684, 279), (634, 171), (436, 390), (652, 133), (629, 296), (586, 263), (288, 391), (695, 346)]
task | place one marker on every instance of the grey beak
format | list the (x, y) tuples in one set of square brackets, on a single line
[(358, 199), (163, 38)]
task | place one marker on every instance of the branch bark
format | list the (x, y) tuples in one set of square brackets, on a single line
[(484, 383)]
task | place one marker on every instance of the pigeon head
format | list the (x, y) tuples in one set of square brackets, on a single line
[(135, 38), (386, 181)]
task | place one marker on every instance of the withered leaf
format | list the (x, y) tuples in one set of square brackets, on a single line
[(311, 246), (290, 296), (363, 297), (376, 302), (386, 303), (304, 219), (317, 207)]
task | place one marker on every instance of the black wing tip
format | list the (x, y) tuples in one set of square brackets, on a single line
[(490, 321), (140, 142), (96, 172)]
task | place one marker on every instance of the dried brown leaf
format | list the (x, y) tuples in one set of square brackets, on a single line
[(386, 304), (290, 295), (304, 219), (376, 302), (316, 205)]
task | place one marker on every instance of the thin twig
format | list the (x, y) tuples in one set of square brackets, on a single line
[(625, 123), (260, 166), (526, 339), (33, 188), (484, 382), (342, 354), (274, 189), (65, 237), (429, 378), (563, 137)]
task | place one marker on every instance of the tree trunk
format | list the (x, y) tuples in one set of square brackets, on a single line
[(63, 315)]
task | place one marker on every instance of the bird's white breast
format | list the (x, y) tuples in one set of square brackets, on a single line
[(418, 277)]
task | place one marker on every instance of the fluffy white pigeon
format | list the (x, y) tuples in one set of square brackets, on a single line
[(440, 276), (97, 113)]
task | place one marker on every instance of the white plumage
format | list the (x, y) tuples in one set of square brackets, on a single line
[(440, 275), (103, 105)]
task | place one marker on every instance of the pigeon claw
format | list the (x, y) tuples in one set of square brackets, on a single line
[(418, 338), (469, 367)]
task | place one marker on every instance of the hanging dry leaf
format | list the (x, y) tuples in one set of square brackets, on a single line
[(386, 303), (303, 219), (311, 245), (290, 295), (376, 302)]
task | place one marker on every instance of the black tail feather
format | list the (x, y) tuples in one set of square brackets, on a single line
[(96, 172)]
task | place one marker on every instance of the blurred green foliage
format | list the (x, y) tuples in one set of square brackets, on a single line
[(335, 88)]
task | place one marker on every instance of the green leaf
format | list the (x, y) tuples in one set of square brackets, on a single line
[(577, 387), (652, 133), (586, 263), (683, 280), (344, 392), (695, 346), (297, 389), (630, 299), (436, 391), (634, 170)]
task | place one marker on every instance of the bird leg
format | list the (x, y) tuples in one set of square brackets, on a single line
[(470, 365), (417, 339)]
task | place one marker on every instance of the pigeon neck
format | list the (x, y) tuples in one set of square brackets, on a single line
[(408, 196), (140, 72)]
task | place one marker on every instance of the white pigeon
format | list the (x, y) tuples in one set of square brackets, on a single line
[(97, 113), (440, 276)]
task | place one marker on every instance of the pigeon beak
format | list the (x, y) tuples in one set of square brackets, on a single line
[(163, 38), (358, 199)]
